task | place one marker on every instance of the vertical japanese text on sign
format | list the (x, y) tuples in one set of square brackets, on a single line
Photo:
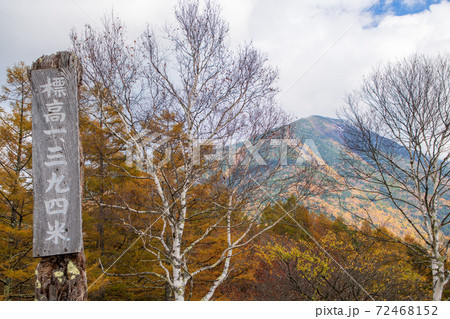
[(56, 164)]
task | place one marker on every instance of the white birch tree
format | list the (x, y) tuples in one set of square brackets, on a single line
[(172, 92), (399, 123)]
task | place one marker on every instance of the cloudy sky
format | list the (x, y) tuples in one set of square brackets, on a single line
[(321, 47)]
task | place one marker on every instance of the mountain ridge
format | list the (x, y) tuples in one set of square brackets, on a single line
[(323, 135)]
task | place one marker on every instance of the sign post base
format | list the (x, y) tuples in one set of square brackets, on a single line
[(61, 277)]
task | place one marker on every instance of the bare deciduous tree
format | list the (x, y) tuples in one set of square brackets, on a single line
[(398, 122), (175, 91)]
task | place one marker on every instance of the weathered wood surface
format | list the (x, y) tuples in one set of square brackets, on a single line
[(56, 162), (63, 277), (60, 278)]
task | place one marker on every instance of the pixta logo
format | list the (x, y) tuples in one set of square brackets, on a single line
[(141, 149)]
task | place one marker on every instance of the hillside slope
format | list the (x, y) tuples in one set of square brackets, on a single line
[(323, 137)]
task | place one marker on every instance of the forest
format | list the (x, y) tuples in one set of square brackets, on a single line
[(166, 218)]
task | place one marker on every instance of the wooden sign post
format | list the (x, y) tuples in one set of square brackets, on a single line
[(57, 232)]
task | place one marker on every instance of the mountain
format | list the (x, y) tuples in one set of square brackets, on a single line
[(321, 138), (323, 133)]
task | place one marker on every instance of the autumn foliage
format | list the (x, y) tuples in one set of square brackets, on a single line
[(315, 258), (307, 257), (16, 200)]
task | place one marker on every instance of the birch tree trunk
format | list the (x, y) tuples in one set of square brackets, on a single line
[(437, 268)]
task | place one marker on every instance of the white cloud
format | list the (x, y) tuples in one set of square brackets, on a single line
[(298, 32), (294, 33)]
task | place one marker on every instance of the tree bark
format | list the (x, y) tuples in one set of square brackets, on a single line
[(62, 277), (439, 277)]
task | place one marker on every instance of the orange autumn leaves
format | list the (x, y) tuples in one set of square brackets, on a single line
[(16, 200), (341, 263), (283, 264)]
